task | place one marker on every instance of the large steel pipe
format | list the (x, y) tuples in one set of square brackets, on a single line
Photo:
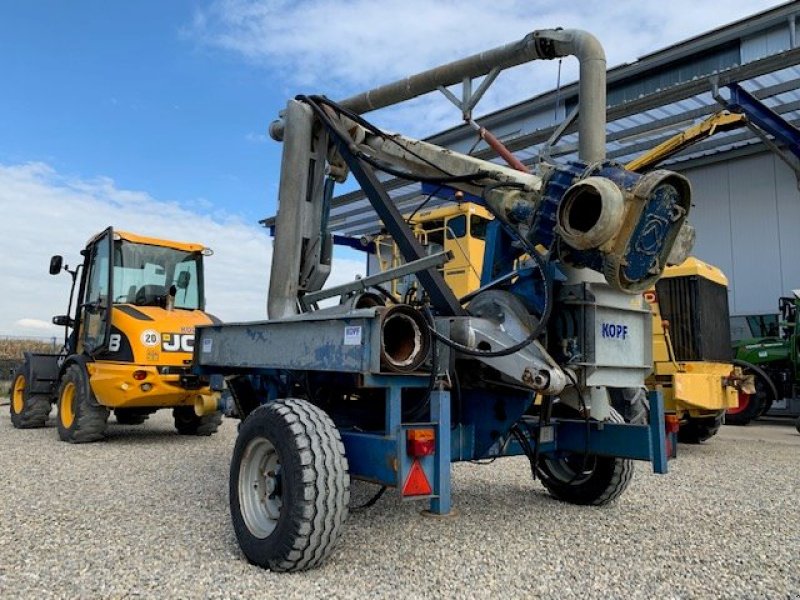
[(405, 339), (541, 44)]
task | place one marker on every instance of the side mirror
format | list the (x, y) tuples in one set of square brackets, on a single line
[(55, 264), (184, 277), (63, 321)]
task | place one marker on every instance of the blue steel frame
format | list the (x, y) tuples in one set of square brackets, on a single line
[(382, 458)]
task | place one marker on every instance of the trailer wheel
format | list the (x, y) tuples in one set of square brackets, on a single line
[(597, 480), (699, 429), (289, 486), (188, 423), (80, 418), (27, 410)]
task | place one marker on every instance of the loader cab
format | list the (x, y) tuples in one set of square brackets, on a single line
[(122, 269)]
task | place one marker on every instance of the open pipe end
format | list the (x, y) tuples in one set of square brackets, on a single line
[(590, 213), (405, 339)]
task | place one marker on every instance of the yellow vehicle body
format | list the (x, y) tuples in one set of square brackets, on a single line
[(161, 344), (456, 228), (691, 388), (150, 347)]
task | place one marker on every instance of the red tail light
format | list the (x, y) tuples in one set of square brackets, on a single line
[(420, 442), (139, 375)]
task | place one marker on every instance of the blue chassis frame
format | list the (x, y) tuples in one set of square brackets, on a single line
[(381, 457)]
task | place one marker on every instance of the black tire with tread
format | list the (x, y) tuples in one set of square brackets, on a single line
[(188, 423), (126, 416), (699, 429), (609, 477), (752, 411), (35, 407), (316, 485), (91, 419)]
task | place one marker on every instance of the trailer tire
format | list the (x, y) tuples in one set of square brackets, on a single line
[(128, 416), (601, 482), (28, 411), (80, 418), (699, 429), (188, 423), (289, 486)]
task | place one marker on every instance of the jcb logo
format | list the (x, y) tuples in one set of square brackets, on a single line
[(177, 342)]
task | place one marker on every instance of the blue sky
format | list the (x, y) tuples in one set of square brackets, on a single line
[(151, 115), (119, 89)]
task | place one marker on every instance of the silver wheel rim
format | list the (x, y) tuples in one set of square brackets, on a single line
[(260, 492), (564, 471)]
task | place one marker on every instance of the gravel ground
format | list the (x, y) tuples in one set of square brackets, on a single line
[(145, 514)]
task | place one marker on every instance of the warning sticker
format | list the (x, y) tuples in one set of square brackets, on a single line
[(352, 335), (207, 344)]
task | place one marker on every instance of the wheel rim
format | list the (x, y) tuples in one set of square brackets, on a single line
[(260, 489), (18, 395), (570, 469), (66, 408), (744, 402)]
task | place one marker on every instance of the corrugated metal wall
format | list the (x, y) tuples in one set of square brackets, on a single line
[(747, 215)]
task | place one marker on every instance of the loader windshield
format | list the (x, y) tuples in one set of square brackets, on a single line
[(144, 274)]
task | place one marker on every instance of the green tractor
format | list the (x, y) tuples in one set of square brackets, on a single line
[(774, 362)]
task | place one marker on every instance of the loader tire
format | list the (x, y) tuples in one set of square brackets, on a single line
[(289, 486), (699, 429), (590, 480), (80, 418), (126, 416), (28, 411), (188, 423)]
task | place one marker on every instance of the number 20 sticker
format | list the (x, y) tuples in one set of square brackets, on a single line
[(150, 337)]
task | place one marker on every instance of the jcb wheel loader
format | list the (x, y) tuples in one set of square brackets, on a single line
[(129, 336)]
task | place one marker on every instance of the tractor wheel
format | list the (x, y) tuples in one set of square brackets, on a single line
[(80, 418), (129, 416), (586, 479), (188, 423), (699, 429), (749, 408), (27, 410), (289, 486)]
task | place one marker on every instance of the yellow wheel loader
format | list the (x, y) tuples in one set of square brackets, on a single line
[(129, 337)]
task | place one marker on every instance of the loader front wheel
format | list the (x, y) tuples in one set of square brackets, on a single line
[(81, 418), (289, 486), (188, 423), (27, 410), (586, 480)]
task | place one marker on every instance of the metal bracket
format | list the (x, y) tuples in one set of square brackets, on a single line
[(469, 100), (359, 285)]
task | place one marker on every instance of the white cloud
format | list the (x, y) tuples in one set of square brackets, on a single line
[(340, 47), (43, 212)]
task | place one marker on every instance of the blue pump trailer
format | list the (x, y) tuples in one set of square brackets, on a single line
[(543, 361)]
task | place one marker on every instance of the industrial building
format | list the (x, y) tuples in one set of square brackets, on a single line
[(746, 199)]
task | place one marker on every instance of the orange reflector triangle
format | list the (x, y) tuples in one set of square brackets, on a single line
[(417, 484)]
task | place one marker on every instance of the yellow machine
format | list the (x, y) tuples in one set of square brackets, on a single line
[(128, 342), (691, 347)]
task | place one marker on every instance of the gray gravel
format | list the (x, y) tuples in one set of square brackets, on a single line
[(145, 514)]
